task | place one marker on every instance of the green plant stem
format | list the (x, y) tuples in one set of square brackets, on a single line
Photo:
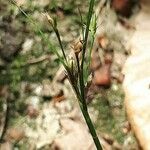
[(87, 31), (82, 24), (81, 98), (81, 76), (60, 43), (91, 127), (80, 91), (87, 118), (78, 62), (82, 86)]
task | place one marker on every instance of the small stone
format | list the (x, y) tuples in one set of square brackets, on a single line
[(27, 45), (32, 111), (102, 76)]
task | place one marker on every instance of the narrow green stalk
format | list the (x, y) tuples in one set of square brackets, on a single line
[(83, 105), (90, 51), (92, 39), (87, 30), (82, 86), (84, 110), (87, 119), (78, 63), (77, 82), (82, 23), (60, 43), (91, 128)]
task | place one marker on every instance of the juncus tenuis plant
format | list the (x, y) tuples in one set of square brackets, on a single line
[(77, 69)]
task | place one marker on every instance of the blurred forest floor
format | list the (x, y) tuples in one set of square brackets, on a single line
[(34, 94)]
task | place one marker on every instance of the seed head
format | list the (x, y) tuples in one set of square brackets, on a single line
[(77, 47), (50, 20)]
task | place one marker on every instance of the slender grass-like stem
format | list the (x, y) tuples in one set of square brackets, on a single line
[(83, 105), (90, 12), (89, 16), (60, 43), (88, 120), (91, 128), (82, 24), (78, 62), (77, 82)]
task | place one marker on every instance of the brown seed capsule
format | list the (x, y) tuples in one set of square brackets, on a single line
[(77, 47), (50, 20)]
